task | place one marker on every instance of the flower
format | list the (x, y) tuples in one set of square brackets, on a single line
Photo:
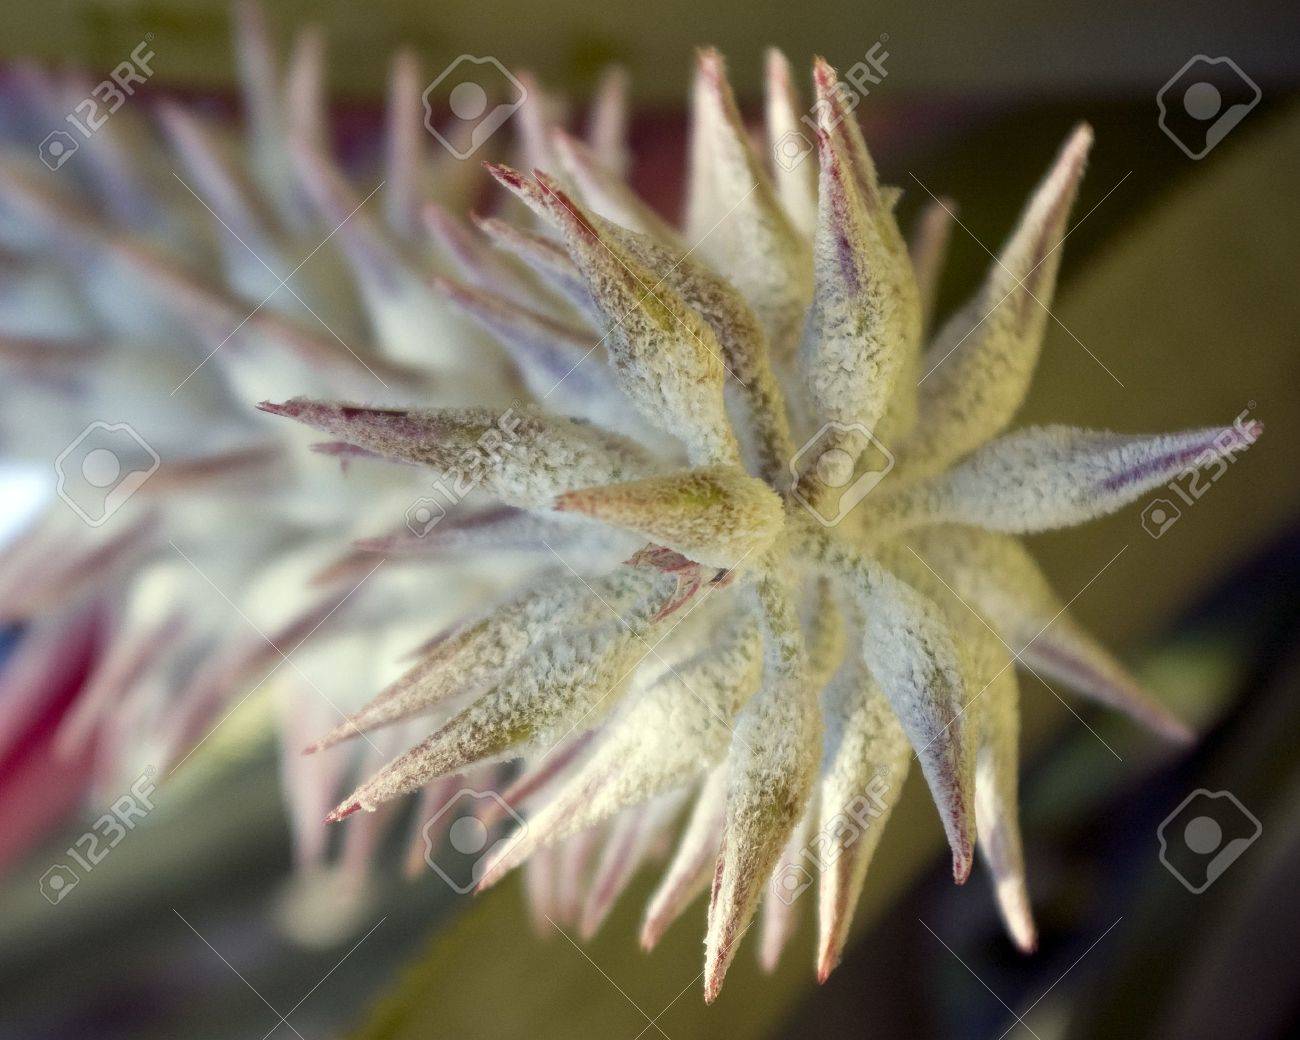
[(766, 653), (166, 277), (666, 574)]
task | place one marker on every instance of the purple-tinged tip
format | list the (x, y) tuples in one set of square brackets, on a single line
[(651, 932), (291, 409), (962, 860), (342, 812), (825, 78), (510, 177), (711, 64), (777, 67)]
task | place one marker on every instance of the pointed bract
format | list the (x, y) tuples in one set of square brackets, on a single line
[(716, 516), (978, 370), (1046, 477)]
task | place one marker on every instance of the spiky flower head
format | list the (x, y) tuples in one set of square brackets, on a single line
[(783, 643), (775, 510)]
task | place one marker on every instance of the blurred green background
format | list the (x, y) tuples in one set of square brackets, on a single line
[(1182, 281)]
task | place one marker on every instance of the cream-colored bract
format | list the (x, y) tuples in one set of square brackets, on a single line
[(685, 400)]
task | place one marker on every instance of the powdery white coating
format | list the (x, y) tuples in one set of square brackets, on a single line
[(761, 418), (481, 653), (524, 456), (666, 358), (654, 741), (733, 217), (716, 516), (826, 633), (864, 763), (850, 357), (981, 652), (978, 370), (997, 575), (837, 120), (1046, 477), (773, 760), (566, 685), (701, 343), (909, 650)]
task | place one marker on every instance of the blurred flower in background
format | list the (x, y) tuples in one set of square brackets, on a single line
[(175, 593)]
